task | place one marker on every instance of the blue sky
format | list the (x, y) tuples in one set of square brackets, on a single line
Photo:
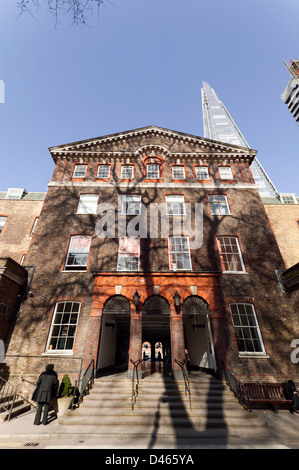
[(141, 63)]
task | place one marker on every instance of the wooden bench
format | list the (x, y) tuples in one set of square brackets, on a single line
[(270, 393)]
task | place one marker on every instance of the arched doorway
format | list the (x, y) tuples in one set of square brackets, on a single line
[(115, 333), (197, 331), (156, 328)]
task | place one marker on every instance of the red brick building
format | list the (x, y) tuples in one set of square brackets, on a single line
[(210, 286)]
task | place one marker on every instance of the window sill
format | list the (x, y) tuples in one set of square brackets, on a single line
[(74, 271), (254, 355), (58, 353), (235, 272)]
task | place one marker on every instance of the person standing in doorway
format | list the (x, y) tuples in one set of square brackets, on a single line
[(47, 384)]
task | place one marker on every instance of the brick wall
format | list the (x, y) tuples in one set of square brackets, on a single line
[(284, 220), (276, 313)]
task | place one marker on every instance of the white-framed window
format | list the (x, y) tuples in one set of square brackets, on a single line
[(230, 254), (103, 171), (219, 204), (179, 253), (63, 328), (178, 172), (246, 328), (78, 252), (3, 220), (226, 173), (128, 254), (131, 204), (88, 204), (79, 171), (175, 205), (23, 259), (288, 198), (15, 193), (127, 172), (153, 171), (34, 226), (202, 173)]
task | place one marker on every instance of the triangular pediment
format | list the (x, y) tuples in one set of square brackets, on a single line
[(146, 140)]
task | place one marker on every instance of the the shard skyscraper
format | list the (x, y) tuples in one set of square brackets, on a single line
[(219, 125)]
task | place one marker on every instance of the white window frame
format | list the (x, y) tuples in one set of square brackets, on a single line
[(226, 173), (219, 204), (23, 259), (65, 319), (77, 253), (180, 257), (153, 171), (288, 198), (236, 255), (3, 220), (80, 170), (245, 323), (88, 204), (127, 172), (126, 260), (103, 167), (202, 173), (15, 193), (34, 225), (179, 169), (175, 205), (131, 204)]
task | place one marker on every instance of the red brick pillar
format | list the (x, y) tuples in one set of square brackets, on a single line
[(93, 341), (177, 341), (135, 346)]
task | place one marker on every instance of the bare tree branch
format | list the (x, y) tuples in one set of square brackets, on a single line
[(75, 9)]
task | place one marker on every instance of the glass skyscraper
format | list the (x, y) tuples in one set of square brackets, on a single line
[(219, 125)]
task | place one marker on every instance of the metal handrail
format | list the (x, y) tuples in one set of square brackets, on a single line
[(82, 386), (233, 384), (135, 389), (8, 395), (186, 379)]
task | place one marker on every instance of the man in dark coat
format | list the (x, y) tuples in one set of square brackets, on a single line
[(291, 393), (47, 389)]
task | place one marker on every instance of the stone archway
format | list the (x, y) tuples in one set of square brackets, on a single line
[(197, 331), (115, 333), (156, 325)]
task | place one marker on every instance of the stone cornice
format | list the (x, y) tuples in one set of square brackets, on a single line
[(160, 185), (91, 148)]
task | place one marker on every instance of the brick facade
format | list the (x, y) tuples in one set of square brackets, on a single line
[(16, 235), (284, 220), (208, 331)]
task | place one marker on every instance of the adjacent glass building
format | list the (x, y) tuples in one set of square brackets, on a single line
[(290, 95), (219, 125)]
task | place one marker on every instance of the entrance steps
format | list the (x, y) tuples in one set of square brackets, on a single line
[(163, 409)]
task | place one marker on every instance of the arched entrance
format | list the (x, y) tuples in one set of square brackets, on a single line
[(156, 328), (197, 331), (115, 333)]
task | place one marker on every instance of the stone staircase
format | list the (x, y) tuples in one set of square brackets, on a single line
[(20, 407), (162, 409)]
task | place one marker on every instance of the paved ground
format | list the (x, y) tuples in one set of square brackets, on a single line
[(282, 432)]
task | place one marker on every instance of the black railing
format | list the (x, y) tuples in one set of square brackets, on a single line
[(186, 379), (135, 387), (8, 396), (82, 386), (233, 384)]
